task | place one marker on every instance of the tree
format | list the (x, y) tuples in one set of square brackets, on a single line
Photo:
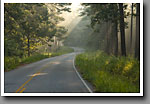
[(122, 29), (105, 14), (29, 25), (137, 44), (131, 25), (12, 30)]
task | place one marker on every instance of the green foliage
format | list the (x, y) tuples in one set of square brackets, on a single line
[(61, 51), (13, 62), (33, 58), (102, 12), (109, 73), (29, 25), (105, 82)]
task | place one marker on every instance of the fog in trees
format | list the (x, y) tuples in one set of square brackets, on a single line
[(32, 28)]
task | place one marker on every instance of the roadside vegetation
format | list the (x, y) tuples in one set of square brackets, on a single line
[(29, 27), (61, 51), (14, 62), (109, 73)]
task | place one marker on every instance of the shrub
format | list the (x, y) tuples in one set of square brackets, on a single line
[(33, 58), (11, 63), (62, 50), (109, 73)]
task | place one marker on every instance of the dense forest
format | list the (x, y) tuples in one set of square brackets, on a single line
[(113, 28)]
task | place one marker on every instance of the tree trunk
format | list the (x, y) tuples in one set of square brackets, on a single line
[(115, 9), (137, 44), (116, 37), (107, 38), (122, 30), (131, 28)]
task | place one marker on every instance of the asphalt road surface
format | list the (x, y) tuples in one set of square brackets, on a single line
[(51, 75)]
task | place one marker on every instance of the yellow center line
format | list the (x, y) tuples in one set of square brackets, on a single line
[(22, 90), (24, 84), (29, 80)]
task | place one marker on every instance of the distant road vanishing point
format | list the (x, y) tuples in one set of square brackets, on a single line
[(51, 75)]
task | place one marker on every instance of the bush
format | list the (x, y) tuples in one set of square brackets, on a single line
[(109, 73), (33, 58), (11, 63), (62, 50)]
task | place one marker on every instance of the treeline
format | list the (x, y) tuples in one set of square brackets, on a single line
[(108, 21), (28, 26)]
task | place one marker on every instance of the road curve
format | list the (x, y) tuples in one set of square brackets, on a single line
[(51, 75)]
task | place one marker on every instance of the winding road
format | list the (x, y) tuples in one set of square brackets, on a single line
[(51, 75)]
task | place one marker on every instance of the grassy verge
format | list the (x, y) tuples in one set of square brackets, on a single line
[(109, 73), (11, 63), (33, 58), (61, 51)]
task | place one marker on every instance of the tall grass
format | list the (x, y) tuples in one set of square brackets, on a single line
[(62, 50), (109, 73), (13, 62), (33, 58)]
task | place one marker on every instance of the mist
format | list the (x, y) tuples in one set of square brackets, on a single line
[(81, 34)]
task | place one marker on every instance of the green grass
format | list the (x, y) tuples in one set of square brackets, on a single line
[(33, 58), (11, 63), (62, 50), (109, 73)]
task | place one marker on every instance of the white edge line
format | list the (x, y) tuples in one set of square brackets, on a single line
[(80, 76)]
